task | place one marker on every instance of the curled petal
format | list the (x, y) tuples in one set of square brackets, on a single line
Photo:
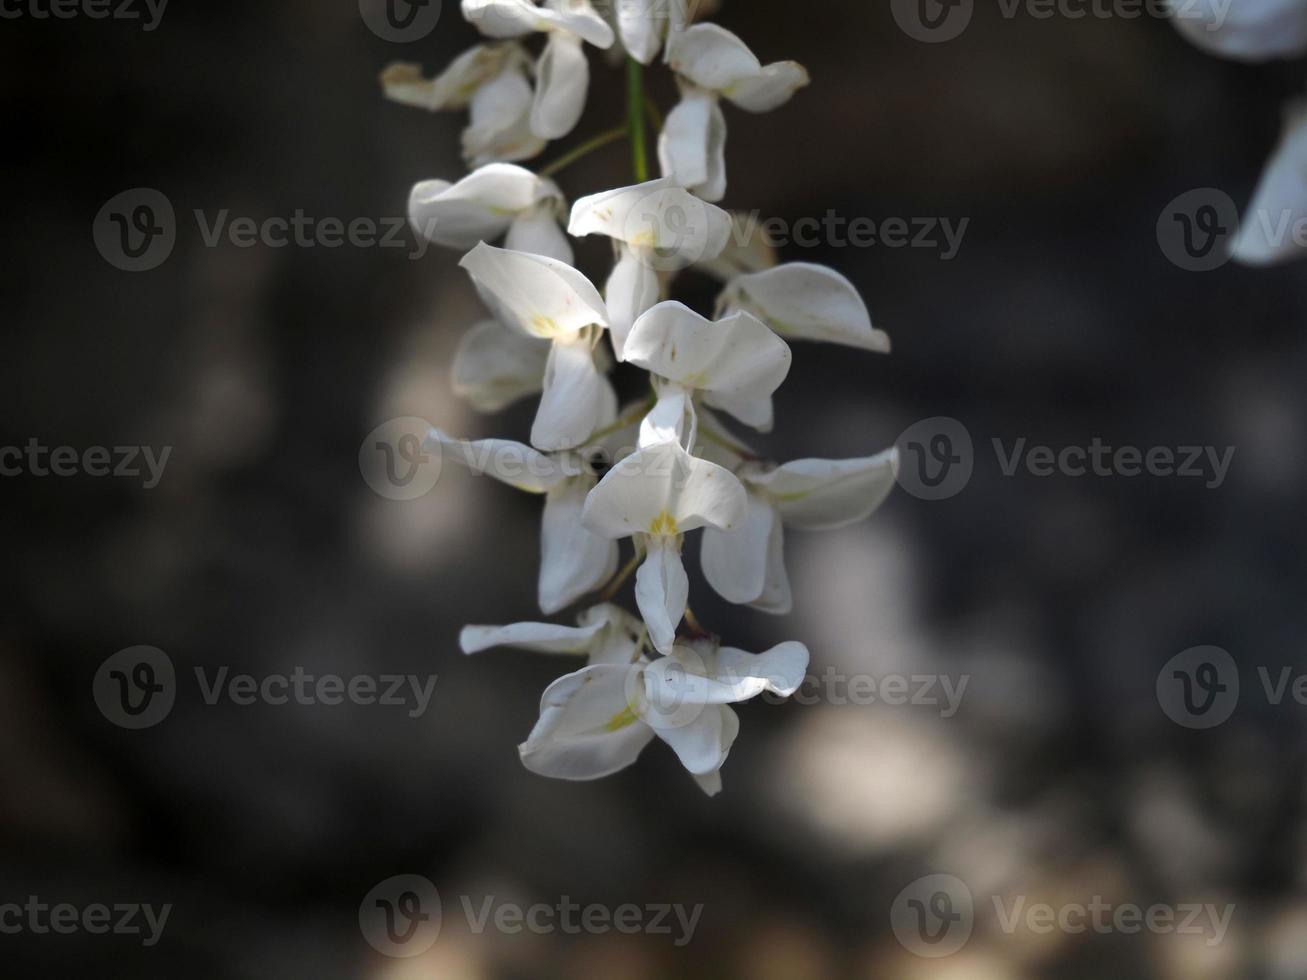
[(478, 208), (632, 289), (453, 88), (562, 81), (578, 398), (499, 125), (672, 419), (587, 728), (536, 637), (771, 88), (662, 490), (504, 18), (540, 296), (703, 744), (573, 561), (692, 145), (658, 217), (641, 27), (735, 562), (662, 590), (508, 462), (701, 675), (823, 494), (537, 231), (801, 301), (495, 366), (711, 57)]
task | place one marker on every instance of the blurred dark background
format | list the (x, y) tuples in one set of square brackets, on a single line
[(262, 548)]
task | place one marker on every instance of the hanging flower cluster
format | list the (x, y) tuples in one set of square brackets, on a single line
[(1255, 31), (667, 466)]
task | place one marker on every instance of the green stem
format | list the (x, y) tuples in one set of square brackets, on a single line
[(584, 150), (635, 110)]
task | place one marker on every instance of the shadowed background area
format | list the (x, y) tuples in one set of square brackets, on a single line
[(1059, 320)]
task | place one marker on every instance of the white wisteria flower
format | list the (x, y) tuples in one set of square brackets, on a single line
[(562, 73), (666, 466), (710, 63), (542, 297), (490, 80), (735, 364), (573, 560), (802, 301), (595, 722), (656, 226), (655, 496), (494, 201), (746, 564)]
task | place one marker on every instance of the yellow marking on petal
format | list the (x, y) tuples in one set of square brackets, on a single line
[(544, 325), (621, 720), (664, 524)]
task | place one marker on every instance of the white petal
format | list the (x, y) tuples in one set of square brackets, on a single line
[(536, 637), (702, 745), (781, 669), (735, 561), (509, 462), (802, 301), (670, 226), (499, 126), (562, 81), (737, 359), (776, 597), (822, 494), (573, 561), (692, 145), (747, 250), (640, 25), (1270, 230), (537, 231), (504, 18), (633, 288), (578, 399), (663, 490), (1249, 30), (495, 366), (711, 57), (478, 208), (662, 590), (453, 88), (579, 18), (619, 641), (587, 729), (770, 88), (711, 783), (672, 419), (540, 296)]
